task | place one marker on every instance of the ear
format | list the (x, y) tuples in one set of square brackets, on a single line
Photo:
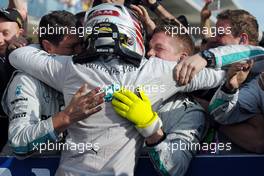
[(183, 56), (47, 46), (243, 39), (22, 31)]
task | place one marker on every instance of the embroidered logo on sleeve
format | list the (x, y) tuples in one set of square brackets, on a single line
[(18, 90)]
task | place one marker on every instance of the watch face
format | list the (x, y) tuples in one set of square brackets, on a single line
[(207, 54)]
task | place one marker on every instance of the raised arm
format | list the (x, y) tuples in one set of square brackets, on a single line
[(216, 58), (159, 10), (229, 105), (205, 19), (50, 69)]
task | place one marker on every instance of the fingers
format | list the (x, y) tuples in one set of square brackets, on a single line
[(236, 67), (183, 73), (144, 97), (137, 10), (93, 92), (120, 112), (120, 105), (90, 105), (189, 75), (177, 71), (250, 65), (81, 91), (93, 111), (144, 11), (17, 43), (132, 96), (123, 98), (207, 3), (92, 102)]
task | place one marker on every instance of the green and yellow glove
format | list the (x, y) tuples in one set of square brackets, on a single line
[(137, 110)]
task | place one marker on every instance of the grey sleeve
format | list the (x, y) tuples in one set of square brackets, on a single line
[(51, 69), (184, 126), (206, 79), (22, 104), (234, 108)]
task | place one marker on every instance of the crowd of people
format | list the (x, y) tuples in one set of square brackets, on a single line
[(132, 83)]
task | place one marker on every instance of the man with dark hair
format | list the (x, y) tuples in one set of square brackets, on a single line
[(80, 17), (55, 33), (33, 107)]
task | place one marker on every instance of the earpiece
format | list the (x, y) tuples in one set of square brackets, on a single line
[(242, 40)]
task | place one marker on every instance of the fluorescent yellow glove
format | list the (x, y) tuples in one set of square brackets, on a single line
[(137, 110)]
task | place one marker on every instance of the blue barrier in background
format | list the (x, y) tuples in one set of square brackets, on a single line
[(204, 165)]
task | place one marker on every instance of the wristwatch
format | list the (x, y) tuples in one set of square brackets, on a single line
[(209, 57), (227, 90), (154, 6)]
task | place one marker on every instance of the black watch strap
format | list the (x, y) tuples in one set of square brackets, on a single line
[(158, 142), (228, 91), (154, 6), (209, 57)]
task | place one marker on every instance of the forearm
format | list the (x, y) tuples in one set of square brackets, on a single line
[(61, 121), (205, 24), (155, 138), (206, 79), (163, 13), (150, 27), (169, 159), (24, 137), (41, 65), (224, 107), (227, 55)]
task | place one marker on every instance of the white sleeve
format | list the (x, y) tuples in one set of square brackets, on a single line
[(206, 79), (223, 105), (160, 72), (22, 104), (226, 55), (51, 69)]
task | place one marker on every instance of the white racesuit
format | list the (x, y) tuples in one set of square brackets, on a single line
[(118, 140)]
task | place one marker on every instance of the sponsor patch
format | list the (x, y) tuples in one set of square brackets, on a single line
[(18, 90)]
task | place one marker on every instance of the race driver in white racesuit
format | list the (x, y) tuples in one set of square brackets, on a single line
[(114, 58), (32, 106)]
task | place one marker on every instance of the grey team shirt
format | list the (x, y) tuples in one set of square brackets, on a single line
[(30, 104), (118, 140), (238, 107)]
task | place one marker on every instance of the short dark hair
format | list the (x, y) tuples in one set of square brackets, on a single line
[(80, 15), (57, 20), (186, 40), (241, 21)]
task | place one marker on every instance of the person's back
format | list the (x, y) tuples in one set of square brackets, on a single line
[(114, 140)]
